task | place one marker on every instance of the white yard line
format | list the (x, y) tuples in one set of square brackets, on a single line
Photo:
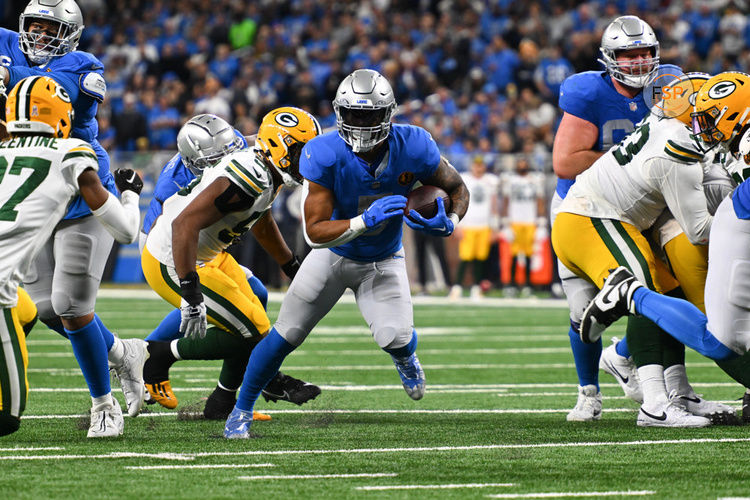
[(206, 466), (320, 476), (193, 456), (433, 486), (40, 448), (575, 494)]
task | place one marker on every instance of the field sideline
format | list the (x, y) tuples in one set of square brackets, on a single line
[(500, 380)]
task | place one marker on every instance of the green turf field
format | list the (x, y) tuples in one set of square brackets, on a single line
[(491, 425)]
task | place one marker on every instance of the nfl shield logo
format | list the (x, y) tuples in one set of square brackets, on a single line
[(633, 106)]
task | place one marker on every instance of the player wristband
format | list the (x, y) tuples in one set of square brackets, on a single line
[(191, 288), (454, 218), (291, 267)]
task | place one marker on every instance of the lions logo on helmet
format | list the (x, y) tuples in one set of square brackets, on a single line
[(722, 111), (281, 136), (39, 46), (38, 104)]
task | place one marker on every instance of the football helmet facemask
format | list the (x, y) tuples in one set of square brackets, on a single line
[(364, 107), (628, 33), (281, 137), (38, 104), (204, 140), (40, 47), (722, 111)]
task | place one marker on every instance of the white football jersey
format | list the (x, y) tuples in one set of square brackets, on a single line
[(522, 193), (482, 190), (38, 178), (243, 168), (657, 166)]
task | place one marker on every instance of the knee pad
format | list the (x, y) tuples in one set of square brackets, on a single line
[(390, 337), (8, 424), (45, 311), (294, 336)]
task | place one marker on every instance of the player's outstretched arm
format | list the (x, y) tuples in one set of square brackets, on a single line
[(121, 218), (266, 231), (572, 151)]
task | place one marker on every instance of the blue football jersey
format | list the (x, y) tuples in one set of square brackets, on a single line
[(591, 96), (327, 160), (174, 176), (80, 73)]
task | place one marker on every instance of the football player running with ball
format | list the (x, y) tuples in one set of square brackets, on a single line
[(41, 172), (356, 180)]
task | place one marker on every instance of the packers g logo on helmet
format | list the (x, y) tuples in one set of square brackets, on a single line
[(38, 104), (281, 136), (722, 110)]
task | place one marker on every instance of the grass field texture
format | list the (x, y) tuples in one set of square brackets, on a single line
[(500, 381)]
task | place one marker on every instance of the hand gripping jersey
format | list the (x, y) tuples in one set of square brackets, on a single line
[(80, 73), (173, 177), (38, 178), (243, 168), (658, 166), (591, 96), (327, 160)]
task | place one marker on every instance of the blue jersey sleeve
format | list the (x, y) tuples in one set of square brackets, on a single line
[(173, 177), (316, 163), (576, 94)]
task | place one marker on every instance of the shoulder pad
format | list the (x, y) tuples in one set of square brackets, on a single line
[(416, 139), (680, 146), (584, 86), (79, 62), (79, 149), (93, 85), (319, 151), (244, 169)]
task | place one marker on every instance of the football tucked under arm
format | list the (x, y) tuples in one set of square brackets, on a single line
[(423, 200)]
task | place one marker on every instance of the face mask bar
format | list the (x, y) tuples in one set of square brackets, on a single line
[(704, 126)]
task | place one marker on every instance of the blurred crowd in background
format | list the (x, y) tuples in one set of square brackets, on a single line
[(482, 76)]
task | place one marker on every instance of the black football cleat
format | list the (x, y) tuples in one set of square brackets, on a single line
[(613, 301), (285, 388)]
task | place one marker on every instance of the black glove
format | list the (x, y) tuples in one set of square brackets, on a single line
[(127, 179), (291, 267)]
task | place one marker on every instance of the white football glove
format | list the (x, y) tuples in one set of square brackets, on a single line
[(193, 322)]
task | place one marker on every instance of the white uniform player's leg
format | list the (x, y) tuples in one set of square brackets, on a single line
[(728, 282), (315, 289), (38, 284)]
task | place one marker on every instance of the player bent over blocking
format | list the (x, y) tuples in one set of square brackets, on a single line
[(185, 262), (722, 334), (201, 143), (356, 180), (42, 171)]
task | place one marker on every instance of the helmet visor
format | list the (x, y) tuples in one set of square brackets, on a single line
[(704, 126)]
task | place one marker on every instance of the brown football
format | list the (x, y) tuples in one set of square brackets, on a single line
[(423, 200)]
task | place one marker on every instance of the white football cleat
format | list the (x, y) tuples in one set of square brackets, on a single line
[(106, 420), (717, 413), (589, 405), (670, 414), (623, 370), (129, 371)]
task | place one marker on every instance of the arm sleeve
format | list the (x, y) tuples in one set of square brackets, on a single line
[(122, 220), (682, 188)]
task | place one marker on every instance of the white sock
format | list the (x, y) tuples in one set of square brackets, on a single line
[(654, 388), (676, 379), (100, 400), (117, 351), (173, 347)]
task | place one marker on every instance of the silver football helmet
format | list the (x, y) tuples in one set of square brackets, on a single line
[(41, 47), (364, 106), (627, 33), (204, 140)]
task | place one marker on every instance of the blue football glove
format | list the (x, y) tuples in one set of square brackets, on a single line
[(383, 209), (440, 225)]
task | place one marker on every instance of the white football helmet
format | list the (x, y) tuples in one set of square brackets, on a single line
[(627, 33), (364, 106), (39, 47), (204, 140)]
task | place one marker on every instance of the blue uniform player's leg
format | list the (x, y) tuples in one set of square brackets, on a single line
[(313, 292), (384, 299)]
